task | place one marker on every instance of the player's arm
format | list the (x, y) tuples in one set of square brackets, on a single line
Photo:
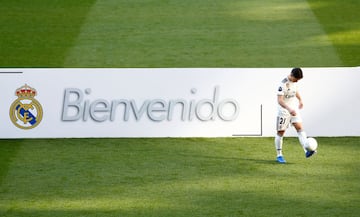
[(285, 106), (298, 96)]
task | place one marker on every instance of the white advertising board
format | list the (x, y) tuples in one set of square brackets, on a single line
[(171, 102)]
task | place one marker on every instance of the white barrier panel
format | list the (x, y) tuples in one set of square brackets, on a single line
[(171, 102)]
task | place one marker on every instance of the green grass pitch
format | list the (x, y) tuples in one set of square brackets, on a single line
[(174, 33), (178, 176)]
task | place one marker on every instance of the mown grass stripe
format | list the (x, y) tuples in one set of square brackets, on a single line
[(226, 33), (39, 33), (8, 153), (342, 25)]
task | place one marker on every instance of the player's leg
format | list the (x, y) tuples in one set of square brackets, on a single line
[(301, 134), (278, 146), (279, 142), (302, 138), (281, 126)]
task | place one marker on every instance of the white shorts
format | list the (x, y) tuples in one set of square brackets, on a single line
[(283, 121)]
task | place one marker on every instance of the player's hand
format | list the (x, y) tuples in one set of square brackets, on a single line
[(292, 112), (301, 105)]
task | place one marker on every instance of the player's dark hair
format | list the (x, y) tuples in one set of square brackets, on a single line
[(297, 73)]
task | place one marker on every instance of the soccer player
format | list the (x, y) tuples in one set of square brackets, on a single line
[(289, 100)]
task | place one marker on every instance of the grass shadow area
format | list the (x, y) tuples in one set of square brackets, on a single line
[(341, 22), (8, 152), (198, 202), (39, 33)]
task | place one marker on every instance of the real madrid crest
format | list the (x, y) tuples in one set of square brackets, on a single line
[(26, 112)]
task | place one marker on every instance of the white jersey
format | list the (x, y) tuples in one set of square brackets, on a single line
[(288, 89)]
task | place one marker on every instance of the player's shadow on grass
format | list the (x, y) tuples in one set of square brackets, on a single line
[(262, 161), (258, 161)]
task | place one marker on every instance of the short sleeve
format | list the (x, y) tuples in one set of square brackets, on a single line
[(280, 89)]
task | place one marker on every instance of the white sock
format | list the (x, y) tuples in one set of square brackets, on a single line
[(302, 139), (278, 145)]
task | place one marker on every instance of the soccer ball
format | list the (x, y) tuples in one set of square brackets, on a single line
[(311, 144)]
